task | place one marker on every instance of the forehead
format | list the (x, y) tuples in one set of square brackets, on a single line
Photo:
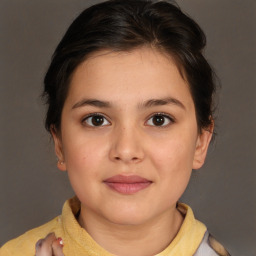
[(134, 75)]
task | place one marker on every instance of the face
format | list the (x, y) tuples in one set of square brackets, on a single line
[(129, 137)]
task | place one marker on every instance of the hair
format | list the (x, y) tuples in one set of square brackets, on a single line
[(119, 25)]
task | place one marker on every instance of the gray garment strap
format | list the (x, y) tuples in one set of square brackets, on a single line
[(210, 247), (204, 248)]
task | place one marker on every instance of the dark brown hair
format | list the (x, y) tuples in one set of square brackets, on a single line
[(120, 25)]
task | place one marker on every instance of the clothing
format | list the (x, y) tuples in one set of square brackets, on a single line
[(192, 238)]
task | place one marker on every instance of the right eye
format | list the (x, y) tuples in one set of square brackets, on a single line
[(96, 120)]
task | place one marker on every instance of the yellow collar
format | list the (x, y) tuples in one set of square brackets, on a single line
[(185, 243)]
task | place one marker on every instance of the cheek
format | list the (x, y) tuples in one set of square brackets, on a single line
[(84, 156), (84, 168), (173, 155), (173, 162)]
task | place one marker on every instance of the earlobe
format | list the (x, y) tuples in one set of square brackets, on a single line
[(58, 149), (61, 165), (202, 145)]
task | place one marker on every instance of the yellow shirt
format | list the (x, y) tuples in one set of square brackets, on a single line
[(77, 242)]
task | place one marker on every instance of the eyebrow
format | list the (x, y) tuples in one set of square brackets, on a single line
[(146, 104), (162, 102), (92, 102)]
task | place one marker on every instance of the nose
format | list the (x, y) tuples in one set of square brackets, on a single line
[(127, 146)]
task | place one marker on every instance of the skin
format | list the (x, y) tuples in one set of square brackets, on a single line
[(50, 245), (129, 143)]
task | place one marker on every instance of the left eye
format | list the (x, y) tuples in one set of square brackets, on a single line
[(159, 120), (96, 120)]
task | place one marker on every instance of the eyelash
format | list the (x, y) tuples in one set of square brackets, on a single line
[(170, 118), (93, 115)]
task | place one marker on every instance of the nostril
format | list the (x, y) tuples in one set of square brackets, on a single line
[(133, 159)]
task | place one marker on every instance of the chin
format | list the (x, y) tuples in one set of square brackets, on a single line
[(130, 218)]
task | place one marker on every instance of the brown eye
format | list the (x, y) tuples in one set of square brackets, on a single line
[(159, 120), (96, 120)]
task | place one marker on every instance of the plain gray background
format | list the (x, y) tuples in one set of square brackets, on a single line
[(32, 190)]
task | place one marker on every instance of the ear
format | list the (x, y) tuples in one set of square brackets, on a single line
[(202, 145), (58, 149)]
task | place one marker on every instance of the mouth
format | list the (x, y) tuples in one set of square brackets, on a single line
[(127, 185)]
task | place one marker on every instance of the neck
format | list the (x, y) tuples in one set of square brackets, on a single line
[(145, 239)]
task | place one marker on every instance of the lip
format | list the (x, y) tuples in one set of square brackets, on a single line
[(127, 184)]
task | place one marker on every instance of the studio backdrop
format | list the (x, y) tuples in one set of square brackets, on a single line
[(32, 190)]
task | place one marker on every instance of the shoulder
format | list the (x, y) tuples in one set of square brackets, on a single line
[(25, 244), (210, 247)]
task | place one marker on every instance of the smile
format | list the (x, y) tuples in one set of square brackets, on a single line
[(127, 184)]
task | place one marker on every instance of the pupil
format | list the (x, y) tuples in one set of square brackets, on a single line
[(158, 120), (97, 120)]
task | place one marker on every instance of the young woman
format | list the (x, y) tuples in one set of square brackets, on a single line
[(130, 99)]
